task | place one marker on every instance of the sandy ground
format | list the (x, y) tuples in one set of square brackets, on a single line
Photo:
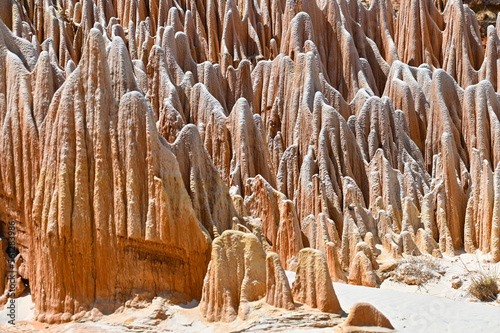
[(455, 267), (25, 310), (435, 307), (412, 312)]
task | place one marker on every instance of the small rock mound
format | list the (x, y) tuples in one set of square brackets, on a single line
[(313, 285), (364, 317), (236, 275)]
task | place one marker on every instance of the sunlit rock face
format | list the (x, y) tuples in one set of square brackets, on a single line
[(134, 134)]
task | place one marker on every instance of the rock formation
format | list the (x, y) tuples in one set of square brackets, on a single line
[(363, 267), (133, 134), (362, 315), (236, 275), (278, 291), (312, 284), (280, 225)]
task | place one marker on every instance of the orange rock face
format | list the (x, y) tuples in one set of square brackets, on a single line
[(313, 284), (278, 291), (134, 134), (236, 275)]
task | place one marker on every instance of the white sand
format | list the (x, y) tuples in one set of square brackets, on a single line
[(24, 309), (435, 307), (420, 313)]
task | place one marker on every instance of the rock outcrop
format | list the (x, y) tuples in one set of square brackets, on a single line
[(361, 271), (145, 130), (280, 225), (313, 285), (278, 291), (362, 315), (236, 275)]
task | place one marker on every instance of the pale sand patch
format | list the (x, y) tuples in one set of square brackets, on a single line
[(409, 310), (25, 308)]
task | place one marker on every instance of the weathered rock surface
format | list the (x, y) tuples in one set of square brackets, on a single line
[(278, 291), (313, 285), (280, 225), (362, 315), (236, 275), (361, 271), (144, 130)]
